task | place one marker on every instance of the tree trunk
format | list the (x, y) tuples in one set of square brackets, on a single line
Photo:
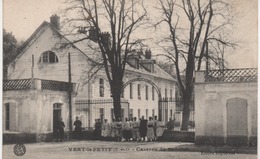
[(187, 101), (117, 105), (116, 93)]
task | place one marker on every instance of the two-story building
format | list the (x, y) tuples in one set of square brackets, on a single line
[(38, 92)]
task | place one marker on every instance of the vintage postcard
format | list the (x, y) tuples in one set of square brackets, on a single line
[(129, 79)]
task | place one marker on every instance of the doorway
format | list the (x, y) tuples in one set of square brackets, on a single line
[(56, 117), (237, 124)]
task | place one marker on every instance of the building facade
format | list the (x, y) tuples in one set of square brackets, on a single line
[(226, 107), (40, 75)]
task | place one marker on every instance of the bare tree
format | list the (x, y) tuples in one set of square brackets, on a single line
[(121, 18), (198, 32)]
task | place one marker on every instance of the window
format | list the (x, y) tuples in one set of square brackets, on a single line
[(48, 57), (139, 91), (146, 92), (131, 90), (101, 114), (171, 93), (165, 93), (112, 114), (139, 113), (146, 113), (101, 87), (153, 93), (153, 113), (131, 113), (7, 116)]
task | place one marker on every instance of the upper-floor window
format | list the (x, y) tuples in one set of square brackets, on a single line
[(139, 91), (131, 90), (171, 93), (101, 87), (48, 57), (152, 93), (146, 92), (165, 95)]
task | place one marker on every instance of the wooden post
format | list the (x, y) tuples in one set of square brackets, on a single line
[(32, 74), (69, 94)]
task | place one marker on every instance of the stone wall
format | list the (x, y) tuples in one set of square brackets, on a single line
[(214, 115)]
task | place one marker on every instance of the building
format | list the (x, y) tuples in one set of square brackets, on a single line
[(226, 107), (48, 68)]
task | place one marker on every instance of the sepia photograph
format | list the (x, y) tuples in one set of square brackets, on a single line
[(123, 79)]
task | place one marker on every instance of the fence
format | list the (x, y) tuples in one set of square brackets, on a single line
[(172, 108), (232, 75), (27, 84), (89, 110), (17, 84)]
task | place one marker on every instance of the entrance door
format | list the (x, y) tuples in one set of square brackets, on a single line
[(237, 121), (237, 117), (56, 116)]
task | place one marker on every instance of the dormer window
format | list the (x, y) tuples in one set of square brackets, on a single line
[(48, 57)]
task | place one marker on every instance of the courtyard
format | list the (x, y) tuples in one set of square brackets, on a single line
[(126, 150)]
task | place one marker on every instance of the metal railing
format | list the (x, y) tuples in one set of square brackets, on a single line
[(27, 84), (232, 75), (166, 105), (17, 84)]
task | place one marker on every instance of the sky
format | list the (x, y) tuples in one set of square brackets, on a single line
[(22, 17)]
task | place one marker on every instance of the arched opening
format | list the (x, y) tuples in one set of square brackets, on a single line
[(48, 57), (161, 110), (144, 80)]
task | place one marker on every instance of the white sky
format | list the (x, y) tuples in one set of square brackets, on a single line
[(22, 17)]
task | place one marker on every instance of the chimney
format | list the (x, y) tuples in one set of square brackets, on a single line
[(55, 21), (93, 34), (106, 38), (148, 54), (133, 59), (148, 65)]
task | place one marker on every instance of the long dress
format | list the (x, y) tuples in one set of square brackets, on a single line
[(127, 130), (118, 129), (150, 130), (160, 129), (155, 127), (105, 129), (135, 130), (112, 129), (143, 128)]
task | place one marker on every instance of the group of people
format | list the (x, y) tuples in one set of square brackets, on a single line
[(130, 130), (59, 129)]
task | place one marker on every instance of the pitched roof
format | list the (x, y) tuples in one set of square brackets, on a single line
[(36, 34), (90, 51)]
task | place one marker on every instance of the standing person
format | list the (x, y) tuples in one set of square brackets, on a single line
[(127, 130), (131, 128), (143, 128), (105, 129), (155, 121), (150, 129), (135, 129), (118, 128), (113, 129), (97, 131), (170, 124), (60, 130), (77, 130), (160, 129)]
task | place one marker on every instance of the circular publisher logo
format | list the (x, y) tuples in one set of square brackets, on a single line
[(19, 149)]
